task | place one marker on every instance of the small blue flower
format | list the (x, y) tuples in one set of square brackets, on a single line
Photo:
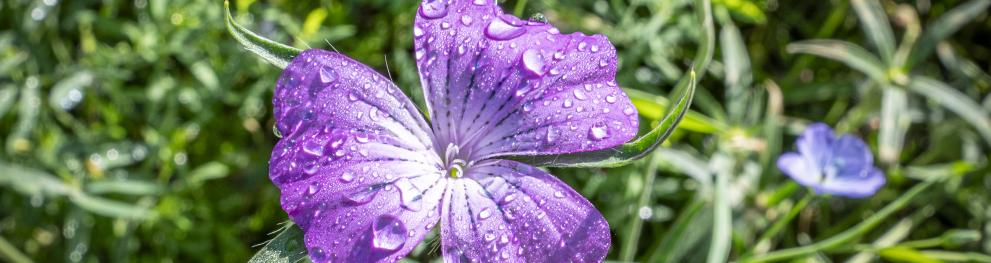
[(840, 166)]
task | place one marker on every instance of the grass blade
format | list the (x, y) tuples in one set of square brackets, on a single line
[(894, 124), (876, 27), (955, 101), (850, 54), (943, 27)]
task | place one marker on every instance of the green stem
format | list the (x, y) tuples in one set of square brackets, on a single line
[(11, 253), (636, 224), (846, 236), (784, 221)]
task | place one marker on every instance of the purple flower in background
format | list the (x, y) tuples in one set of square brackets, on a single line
[(366, 177), (842, 166)]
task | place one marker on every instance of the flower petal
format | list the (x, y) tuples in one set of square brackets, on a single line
[(513, 212), (799, 168), (816, 143), (852, 156), (497, 85), (864, 184), (355, 167)]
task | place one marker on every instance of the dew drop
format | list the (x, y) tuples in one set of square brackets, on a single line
[(411, 196), (361, 137), (347, 177), (485, 213), (445, 25), (489, 237), (559, 55), (533, 62), (418, 32), (568, 103), (603, 63), (505, 254), (559, 194), (313, 189), (466, 20), (433, 9), (420, 53), (363, 196), (582, 46), (598, 131), (481, 2), (552, 135), (388, 233), (500, 29), (611, 98), (629, 111), (313, 147), (352, 96), (327, 75), (579, 94), (595, 48)]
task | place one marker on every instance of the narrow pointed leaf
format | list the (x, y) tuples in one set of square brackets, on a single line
[(955, 101), (276, 53), (638, 148), (651, 107), (894, 124), (876, 27), (943, 27), (854, 56), (287, 247)]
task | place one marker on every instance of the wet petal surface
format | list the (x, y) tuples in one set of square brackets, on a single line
[(512, 212), (355, 165), (497, 85)]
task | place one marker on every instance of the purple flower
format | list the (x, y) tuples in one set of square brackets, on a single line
[(366, 176), (843, 166)]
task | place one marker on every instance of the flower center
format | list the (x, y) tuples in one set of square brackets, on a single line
[(456, 165)]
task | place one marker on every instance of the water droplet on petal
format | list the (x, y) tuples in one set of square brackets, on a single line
[(629, 111), (582, 46), (500, 29), (485, 213), (579, 94), (411, 196), (445, 25), (559, 194), (347, 177), (559, 55), (363, 196), (417, 31), (489, 237), (313, 147), (481, 2), (466, 20), (603, 63), (552, 135), (533, 62), (598, 131), (611, 98), (313, 189), (568, 103), (388, 233), (433, 9), (327, 75)]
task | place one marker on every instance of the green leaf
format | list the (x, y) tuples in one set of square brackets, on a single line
[(30, 181), (955, 101), (276, 53), (287, 247), (943, 27), (125, 186), (652, 107), (722, 216), (640, 147), (854, 56), (688, 230), (738, 76), (876, 26), (905, 254), (107, 207), (206, 172), (895, 122), (7, 95)]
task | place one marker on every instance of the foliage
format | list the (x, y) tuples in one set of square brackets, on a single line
[(140, 130)]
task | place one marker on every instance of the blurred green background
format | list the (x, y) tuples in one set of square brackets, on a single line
[(140, 131)]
